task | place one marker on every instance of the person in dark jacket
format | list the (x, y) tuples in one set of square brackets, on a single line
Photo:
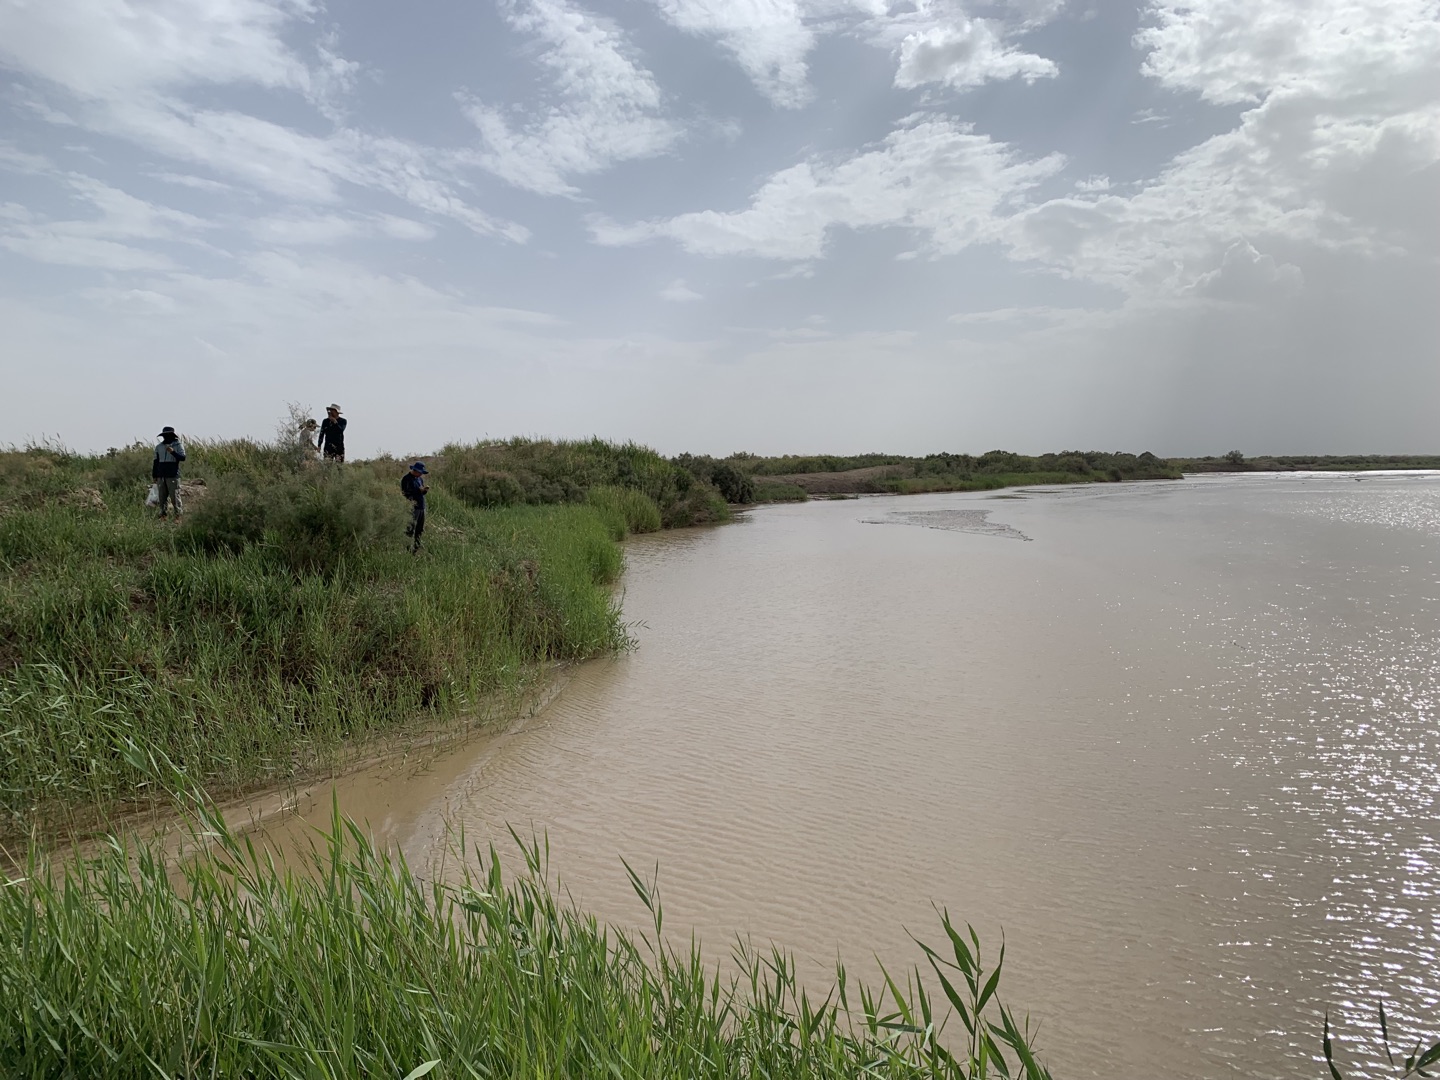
[(332, 434), (414, 488), (165, 470)]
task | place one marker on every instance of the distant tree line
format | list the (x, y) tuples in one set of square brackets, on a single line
[(1235, 461)]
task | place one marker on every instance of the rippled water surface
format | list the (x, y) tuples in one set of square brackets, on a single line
[(1180, 746)]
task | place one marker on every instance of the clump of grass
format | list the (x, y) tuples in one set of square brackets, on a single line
[(228, 965), (625, 510)]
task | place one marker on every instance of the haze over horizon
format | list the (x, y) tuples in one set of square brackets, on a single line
[(778, 226)]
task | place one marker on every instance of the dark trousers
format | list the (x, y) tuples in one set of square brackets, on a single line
[(417, 522)]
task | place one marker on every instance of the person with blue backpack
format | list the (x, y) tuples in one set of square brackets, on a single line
[(414, 488), (165, 470)]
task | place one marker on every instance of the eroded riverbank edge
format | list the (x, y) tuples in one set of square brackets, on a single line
[(176, 828)]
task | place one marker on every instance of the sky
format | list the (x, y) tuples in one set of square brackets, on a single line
[(774, 226)]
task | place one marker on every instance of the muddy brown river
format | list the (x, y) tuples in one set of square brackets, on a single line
[(1177, 740)]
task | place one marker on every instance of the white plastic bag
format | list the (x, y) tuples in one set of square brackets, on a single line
[(152, 498)]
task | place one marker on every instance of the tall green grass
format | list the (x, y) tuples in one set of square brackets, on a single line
[(285, 620), (124, 966), (625, 510)]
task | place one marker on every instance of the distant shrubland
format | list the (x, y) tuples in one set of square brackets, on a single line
[(542, 472), (1235, 461)]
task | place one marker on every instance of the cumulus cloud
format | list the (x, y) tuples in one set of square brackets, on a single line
[(1238, 52), (965, 53), (934, 175), (938, 42), (1246, 276), (610, 108)]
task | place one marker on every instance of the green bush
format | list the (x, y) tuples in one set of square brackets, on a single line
[(701, 505), (734, 485), (479, 486), (312, 518), (549, 472)]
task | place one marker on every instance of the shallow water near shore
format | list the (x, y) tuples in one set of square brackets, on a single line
[(1179, 744)]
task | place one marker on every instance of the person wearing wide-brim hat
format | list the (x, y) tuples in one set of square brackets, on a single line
[(165, 470), (332, 434), (414, 488)]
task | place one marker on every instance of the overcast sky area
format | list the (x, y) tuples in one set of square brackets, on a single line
[(718, 225)]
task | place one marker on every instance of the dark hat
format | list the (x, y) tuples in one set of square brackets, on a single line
[(419, 467), (166, 430)]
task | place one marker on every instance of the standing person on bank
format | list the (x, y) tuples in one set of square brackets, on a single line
[(165, 470), (332, 434), (413, 487)]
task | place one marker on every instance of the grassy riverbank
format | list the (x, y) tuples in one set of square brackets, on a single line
[(282, 622), (116, 970)]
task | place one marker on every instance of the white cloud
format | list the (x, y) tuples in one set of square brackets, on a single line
[(1244, 275), (1340, 151), (939, 42), (965, 53), (133, 69), (104, 49), (610, 108), (405, 229), (307, 230), (114, 237), (1014, 315), (678, 292), (768, 38), (64, 248), (13, 159), (1238, 52), (934, 175), (936, 41), (199, 183)]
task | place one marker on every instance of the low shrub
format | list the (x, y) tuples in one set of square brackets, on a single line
[(311, 518), (479, 486), (734, 485), (701, 505)]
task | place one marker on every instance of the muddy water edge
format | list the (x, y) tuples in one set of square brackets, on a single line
[(1176, 741)]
